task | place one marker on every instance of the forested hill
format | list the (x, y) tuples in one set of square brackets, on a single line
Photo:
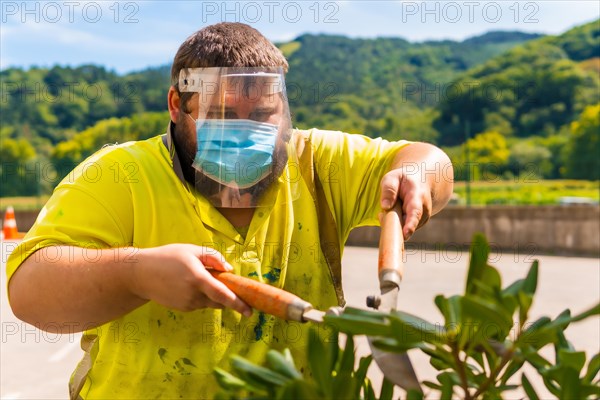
[(523, 89), (372, 86), (531, 90), (50, 105)]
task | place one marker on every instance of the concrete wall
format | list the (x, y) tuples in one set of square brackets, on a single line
[(571, 229)]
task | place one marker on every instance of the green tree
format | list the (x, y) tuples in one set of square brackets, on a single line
[(530, 159), (488, 156), (582, 154), (18, 170)]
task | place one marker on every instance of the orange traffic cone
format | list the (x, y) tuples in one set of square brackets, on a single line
[(9, 227)]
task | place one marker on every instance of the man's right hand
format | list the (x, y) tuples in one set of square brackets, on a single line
[(176, 277)]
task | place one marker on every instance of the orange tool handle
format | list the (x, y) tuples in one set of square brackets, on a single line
[(391, 246), (263, 297)]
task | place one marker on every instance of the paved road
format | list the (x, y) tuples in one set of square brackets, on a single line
[(37, 365)]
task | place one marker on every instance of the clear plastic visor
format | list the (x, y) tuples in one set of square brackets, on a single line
[(245, 153)]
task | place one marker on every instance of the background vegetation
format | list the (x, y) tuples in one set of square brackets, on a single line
[(503, 105)]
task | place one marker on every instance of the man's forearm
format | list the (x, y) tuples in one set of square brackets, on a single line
[(66, 289)]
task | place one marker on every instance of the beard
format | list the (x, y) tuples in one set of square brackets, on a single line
[(184, 139)]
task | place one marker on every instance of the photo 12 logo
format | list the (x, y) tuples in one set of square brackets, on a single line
[(470, 11), (54, 12), (251, 12)]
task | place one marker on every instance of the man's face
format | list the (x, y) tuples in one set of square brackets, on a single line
[(234, 101)]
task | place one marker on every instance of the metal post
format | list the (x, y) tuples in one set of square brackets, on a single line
[(468, 162)]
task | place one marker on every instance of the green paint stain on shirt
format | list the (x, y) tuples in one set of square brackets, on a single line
[(161, 353), (258, 328), (273, 275), (187, 361), (253, 273)]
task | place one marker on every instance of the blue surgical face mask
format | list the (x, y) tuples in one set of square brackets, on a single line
[(235, 152)]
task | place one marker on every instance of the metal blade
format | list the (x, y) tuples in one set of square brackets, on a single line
[(389, 299), (313, 315), (396, 367)]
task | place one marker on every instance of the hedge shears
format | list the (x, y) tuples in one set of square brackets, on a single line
[(396, 367)]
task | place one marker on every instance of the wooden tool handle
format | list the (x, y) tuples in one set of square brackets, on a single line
[(263, 297), (391, 246)]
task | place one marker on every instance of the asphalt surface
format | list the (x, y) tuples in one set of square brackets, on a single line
[(37, 365)]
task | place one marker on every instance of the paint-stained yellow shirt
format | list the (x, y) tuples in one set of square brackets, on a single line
[(127, 196)]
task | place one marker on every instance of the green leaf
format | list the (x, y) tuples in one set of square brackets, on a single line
[(358, 325), (387, 390), (344, 386), (279, 363), (453, 326), (442, 304), (297, 389), (333, 349), (368, 391), (412, 329), (432, 385), (562, 343), (491, 278), (525, 301), (539, 336), (370, 314), (262, 376), (514, 288), (478, 357), (544, 330), (492, 321), (394, 345), (442, 355), (595, 310), (570, 388), (589, 390), (413, 394), (363, 366), (592, 369), (319, 362), (447, 385), (512, 368), (480, 250), (439, 364), (537, 361), (288, 356), (571, 359), (551, 386), (230, 382), (531, 280), (361, 373), (347, 360)]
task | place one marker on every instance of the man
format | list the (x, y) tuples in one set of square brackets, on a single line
[(123, 253)]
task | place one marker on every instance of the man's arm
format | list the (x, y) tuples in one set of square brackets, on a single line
[(422, 178), (63, 289)]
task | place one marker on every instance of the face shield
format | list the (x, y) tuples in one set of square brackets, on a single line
[(245, 155)]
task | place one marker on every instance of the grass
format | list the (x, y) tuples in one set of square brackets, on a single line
[(538, 192)]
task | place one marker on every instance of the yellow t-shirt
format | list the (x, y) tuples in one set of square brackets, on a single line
[(128, 195)]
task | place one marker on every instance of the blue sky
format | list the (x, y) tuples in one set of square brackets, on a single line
[(131, 35)]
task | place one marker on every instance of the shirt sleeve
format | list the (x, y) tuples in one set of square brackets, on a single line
[(350, 168), (90, 209)]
